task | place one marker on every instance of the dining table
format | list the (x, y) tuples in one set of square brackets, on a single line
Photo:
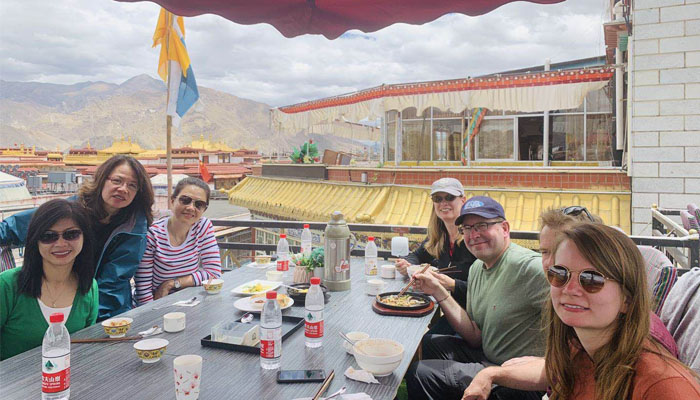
[(108, 370)]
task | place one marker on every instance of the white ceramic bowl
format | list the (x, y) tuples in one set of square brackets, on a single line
[(374, 287), (355, 335), (214, 286), (378, 356)]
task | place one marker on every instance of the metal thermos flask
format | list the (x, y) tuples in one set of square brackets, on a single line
[(337, 254)]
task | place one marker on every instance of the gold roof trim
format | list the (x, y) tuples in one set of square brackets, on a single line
[(410, 205)]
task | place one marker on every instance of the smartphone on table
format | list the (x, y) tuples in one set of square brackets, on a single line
[(300, 375)]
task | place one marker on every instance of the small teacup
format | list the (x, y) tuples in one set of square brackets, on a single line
[(275, 276), (374, 287), (355, 335), (388, 271), (174, 321), (213, 286)]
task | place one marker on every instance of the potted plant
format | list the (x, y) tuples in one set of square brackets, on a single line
[(308, 266)]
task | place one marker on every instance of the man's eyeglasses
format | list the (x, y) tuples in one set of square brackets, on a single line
[(480, 227), (70, 235), (117, 181), (577, 210), (439, 199), (590, 280), (200, 205)]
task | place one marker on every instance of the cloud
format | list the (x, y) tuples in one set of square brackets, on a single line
[(85, 40)]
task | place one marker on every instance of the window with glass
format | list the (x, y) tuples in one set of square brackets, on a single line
[(495, 139), (391, 135), (447, 139)]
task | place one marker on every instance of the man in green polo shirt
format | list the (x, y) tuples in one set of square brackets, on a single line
[(506, 291)]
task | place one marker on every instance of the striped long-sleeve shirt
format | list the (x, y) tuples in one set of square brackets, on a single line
[(198, 256)]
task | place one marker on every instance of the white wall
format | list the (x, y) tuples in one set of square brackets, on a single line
[(665, 95)]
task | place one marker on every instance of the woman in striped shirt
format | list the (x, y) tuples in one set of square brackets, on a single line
[(181, 250)]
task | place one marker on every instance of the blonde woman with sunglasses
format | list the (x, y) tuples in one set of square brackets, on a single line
[(599, 344), (444, 246), (181, 250), (57, 276)]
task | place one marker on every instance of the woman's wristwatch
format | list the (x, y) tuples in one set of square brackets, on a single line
[(177, 283)]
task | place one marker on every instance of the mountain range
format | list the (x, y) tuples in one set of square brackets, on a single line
[(52, 116)]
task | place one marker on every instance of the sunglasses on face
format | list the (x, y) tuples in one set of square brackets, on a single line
[(439, 199), (590, 280), (117, 181), (480, 227), (70, 235), (200, 205), (577, 210)]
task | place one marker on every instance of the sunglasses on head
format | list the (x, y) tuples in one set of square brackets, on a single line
[(439, 199), (577, 210), (70, 235), (200, 205), (590, 280)]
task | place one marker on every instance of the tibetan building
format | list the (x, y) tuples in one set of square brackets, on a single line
[(532, 139)]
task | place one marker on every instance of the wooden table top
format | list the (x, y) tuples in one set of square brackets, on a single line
[(112, 370)]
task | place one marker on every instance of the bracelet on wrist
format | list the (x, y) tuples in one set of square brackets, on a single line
[(446, 297)]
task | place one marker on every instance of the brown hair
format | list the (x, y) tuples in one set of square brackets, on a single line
[(615, 256), (554, 218), (90, 193)]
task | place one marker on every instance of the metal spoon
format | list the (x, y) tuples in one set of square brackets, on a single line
[(347, 339), (338, 393)]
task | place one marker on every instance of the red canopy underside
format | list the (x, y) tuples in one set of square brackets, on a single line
[(331, 18)]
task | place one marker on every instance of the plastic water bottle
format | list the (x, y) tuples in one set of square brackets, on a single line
[(313, 324), (55, 360), (371, 257), (271, 332), (283, 253), (306, 241)]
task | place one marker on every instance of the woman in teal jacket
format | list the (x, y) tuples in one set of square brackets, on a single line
[(119, 203), (57, 277)]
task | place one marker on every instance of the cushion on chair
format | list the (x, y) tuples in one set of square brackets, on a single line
[(661, 275)]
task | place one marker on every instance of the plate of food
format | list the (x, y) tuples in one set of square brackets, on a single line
[(255, 303), (257, 265), (407, 301), (256, 286)]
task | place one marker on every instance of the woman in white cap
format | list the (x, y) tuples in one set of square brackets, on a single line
[(444, 247)]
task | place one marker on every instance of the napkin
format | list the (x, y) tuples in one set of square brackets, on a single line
[(345, 396), (360, 375), (186, 303), (156, 330)]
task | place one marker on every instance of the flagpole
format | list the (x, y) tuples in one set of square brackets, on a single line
[(168, 118)]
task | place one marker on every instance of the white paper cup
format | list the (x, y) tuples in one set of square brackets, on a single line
[(388, 271), (174, 321), (188, 376), (374, 287)]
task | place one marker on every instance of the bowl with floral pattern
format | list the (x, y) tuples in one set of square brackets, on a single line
[(150, 350), (117, 327)]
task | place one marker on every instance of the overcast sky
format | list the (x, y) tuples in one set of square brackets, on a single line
[(69, 41)]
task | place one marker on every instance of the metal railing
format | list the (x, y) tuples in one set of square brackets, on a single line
[(691, 244), (666, 232)]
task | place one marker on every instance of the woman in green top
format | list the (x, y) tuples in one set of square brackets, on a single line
[(57, 276)]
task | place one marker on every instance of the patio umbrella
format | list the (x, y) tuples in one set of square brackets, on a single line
[(331, 18)]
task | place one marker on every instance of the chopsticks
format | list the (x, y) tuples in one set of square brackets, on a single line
[(447, 269), (324, 385), (413, 278), (100, 340)]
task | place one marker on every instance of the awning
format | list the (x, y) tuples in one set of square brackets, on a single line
[(410, 205), (536, 92), (331, 18)]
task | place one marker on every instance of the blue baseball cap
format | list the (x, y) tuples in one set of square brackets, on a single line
[(482, 206)]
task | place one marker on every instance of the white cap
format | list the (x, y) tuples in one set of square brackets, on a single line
[(447, 185)]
